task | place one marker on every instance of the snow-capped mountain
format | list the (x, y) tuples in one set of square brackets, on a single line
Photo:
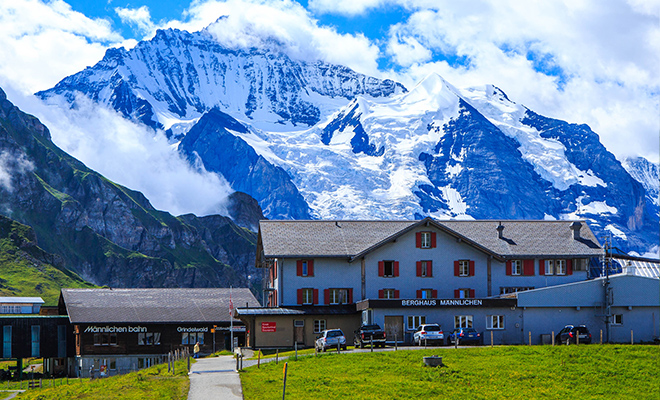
[(311, 139), (177, 76)]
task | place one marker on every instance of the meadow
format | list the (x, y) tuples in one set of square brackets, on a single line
[(513, 372)]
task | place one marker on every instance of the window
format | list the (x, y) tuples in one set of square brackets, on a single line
[(425, 268), (189, 338), (560, 267), (463, 321), (514, 289), (464, 293), (617, 319), (308, 296), (338, 296), (11, 309), (580, 264), (151, 338), (388, 294), (105, 339), (516, 267), (427, 294), (464, 268), (146, 362), (495, 322), (416, 320), (425, 240), (36, 340), (6, 341), (319, 325), (305, 268), (388, 269), (549, 267)]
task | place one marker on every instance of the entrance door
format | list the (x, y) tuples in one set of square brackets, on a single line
[(394, 328), (299, 331)]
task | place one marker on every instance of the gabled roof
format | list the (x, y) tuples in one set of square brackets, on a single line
[(354, 239), (153, 305)]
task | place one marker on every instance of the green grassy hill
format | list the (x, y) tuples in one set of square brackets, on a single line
[(28, 271)]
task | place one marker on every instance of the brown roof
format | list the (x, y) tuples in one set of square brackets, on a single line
[(153, 305)]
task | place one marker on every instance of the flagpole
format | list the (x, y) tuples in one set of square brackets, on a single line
[(231, 321)]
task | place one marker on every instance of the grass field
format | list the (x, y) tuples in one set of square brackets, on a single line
[(514, 372), (150, 383)]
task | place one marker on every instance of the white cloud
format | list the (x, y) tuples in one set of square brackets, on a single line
[(138, 17), (131, 155), (11, 168), (607, 54), (256, 23), (345, 7), (42, 43)]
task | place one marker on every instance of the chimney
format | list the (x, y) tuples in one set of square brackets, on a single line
[(575, 227), (500, 229)]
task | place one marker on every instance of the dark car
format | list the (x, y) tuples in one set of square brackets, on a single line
[(369, 334), (574, 334), (465, 336)]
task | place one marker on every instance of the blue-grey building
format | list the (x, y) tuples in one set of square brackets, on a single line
[(401, 274)]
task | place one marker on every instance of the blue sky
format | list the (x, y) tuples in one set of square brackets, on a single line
[(584, 61)]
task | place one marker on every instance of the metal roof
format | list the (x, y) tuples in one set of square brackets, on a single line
[(153, 305), (21, 300), (356, 238)]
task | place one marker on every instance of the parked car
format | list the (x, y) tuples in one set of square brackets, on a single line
[(570, 335), (429, 334), (329, 339), (368, 334), (465, 336)]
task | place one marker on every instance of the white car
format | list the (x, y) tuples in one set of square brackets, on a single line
[(428, 334), (329, 339)]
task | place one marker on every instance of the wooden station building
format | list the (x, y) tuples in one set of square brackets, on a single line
[(121, 330)]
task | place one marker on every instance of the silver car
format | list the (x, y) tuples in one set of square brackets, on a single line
[(329, 339), (429, 333)]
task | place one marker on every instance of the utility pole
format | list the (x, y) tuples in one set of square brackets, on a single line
[(607, 289)]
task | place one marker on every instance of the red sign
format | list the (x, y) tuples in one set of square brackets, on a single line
[(268, 326)]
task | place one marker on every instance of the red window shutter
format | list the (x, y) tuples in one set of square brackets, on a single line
[(429, 268), (419, 294), (396, 268), (434, 294), (396, 294), (433, 240), (508, 267), (310, 267), (315, 296), (456, 273), (299, 268), (472, 293), (528, 267), (326, 296), (471, 268), (541, 267), (275, 270), (300, 296), (350, 295), (457, 293), (381, 268), (419, 268), (381, 294), (569, 267), (275, 298), (418, 240)]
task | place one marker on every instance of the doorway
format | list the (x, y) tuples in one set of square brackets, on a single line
[(394, 328)]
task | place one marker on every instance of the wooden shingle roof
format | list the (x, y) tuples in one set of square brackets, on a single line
[(190, 305)]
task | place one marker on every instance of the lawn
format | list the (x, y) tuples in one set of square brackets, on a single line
[(150, 383), (513, 372)]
